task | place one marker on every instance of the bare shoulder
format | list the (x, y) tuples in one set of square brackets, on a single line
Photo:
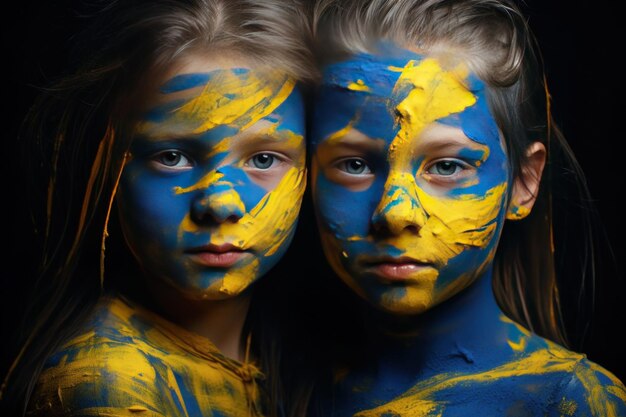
[(103, 370)]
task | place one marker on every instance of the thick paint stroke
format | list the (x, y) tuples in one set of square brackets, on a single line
[(131, 362)]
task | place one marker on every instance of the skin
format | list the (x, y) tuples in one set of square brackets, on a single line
[(412, 187)]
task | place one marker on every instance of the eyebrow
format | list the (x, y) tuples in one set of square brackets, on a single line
[(356, 140), (453, 143)]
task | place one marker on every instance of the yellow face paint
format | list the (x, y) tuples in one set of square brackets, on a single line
[(410, 223), (210, 199)]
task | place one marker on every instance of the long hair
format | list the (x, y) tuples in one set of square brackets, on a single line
[(493, 38), (76, 135)]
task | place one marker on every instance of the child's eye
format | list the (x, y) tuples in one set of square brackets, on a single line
[(354, 166), (171, 161), (446, 168), (262, 161)]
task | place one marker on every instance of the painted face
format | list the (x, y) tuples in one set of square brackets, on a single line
[(210, 196), (410, 177)]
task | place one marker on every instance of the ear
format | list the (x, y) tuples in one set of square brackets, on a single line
[(526, 186)]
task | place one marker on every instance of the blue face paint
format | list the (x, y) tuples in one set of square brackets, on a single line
[(210, 197), (404, 234)]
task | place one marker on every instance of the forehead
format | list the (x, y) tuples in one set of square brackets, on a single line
[(378, 93), (197, 98)]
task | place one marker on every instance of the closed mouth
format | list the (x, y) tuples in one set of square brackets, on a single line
[(396, 268), (216, 256)]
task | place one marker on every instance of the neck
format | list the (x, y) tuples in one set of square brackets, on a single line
[(465, 328), (220, 321)]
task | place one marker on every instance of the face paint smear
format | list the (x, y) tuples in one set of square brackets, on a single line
[(210, 198), (410, 177)]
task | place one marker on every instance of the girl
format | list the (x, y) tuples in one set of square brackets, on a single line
[(430, 136), (182, 132)]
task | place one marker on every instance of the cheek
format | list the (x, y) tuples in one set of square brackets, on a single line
[(342, 212), (249, 192), (149, 210)]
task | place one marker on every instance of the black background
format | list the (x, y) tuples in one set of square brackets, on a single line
[(581, 48)]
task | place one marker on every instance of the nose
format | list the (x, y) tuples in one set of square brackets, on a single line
[(399, 209), (219, 202)]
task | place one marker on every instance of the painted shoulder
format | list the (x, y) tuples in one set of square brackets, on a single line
[(586, 388), (593, 391), (101, 371)]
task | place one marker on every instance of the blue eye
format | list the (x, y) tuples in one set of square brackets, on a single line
[(354, 166), (262, 161), (445, 168), (171, 160)]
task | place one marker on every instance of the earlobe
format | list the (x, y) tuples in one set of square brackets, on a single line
[(526, 186)]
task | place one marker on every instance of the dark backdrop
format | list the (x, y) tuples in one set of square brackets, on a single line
[(581, 47)]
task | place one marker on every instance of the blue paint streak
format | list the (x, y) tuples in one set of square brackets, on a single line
[(186, 82), (160, 113)]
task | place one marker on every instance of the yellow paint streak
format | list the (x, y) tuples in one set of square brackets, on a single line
[(518, 346), (359, 85), (264, 128), (137, 408), (137, 364), (117, 412), (597, 396), (227, 99), (567, 407), (420, 400), (173, 386), (424, 398), (453, 225), (209, 179), (187, 226), (268, 223), (433, 94), (338, 135), (237, 280)]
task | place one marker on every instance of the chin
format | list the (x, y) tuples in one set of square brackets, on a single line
[(412, 301), (212, 289), (403, 309)]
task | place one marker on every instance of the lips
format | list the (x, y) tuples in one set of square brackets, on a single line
[(216, 256), (398, 269)]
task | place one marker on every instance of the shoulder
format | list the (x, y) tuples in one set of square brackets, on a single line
[(101, 371), (594, 391), (578, 386)]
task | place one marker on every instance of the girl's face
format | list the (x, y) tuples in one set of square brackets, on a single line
[(210, 195), (410, 177)]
